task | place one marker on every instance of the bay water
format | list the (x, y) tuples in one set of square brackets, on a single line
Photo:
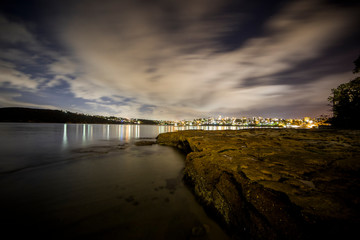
[(90, 181)]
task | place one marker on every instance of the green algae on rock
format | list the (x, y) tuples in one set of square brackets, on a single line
[(275, 183)]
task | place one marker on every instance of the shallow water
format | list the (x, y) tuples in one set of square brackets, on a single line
[(96, 185)]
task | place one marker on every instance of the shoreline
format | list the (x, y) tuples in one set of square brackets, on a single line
[(275, 183)]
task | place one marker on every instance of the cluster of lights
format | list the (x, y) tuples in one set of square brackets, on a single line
[(306, 122)]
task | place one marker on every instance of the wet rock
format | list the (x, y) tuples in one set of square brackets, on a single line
[(130, 199), (100, 149), (276, 183), (145, 143), (198, 231)]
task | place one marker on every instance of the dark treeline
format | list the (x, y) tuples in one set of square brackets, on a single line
[(345, 102), (15, 114)]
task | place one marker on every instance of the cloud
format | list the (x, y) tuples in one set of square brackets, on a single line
[(25, 60), (10, 77), (167, 58), (64, 66), (302, 31), (15, 33), (9, 100), (147, 109)]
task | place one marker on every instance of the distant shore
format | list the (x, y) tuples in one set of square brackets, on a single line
[(15, 114)]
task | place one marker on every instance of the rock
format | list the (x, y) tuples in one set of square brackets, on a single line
[(198, 231), (144, 143), (275, 183)]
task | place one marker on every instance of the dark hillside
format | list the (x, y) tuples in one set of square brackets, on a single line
[(51, 116)]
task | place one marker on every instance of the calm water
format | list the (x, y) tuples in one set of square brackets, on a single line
[(74, 181)]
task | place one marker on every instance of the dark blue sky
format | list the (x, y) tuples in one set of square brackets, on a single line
[(168, 59)]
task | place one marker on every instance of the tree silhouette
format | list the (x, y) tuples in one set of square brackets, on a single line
[(345, 101), (357, 65)]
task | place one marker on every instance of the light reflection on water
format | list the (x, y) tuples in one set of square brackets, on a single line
[(89, 181), (65, 136), (88, 133), (24, 145)]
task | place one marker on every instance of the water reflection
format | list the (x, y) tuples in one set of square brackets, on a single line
[(65, 141), (137, 131), (85, 134), (121, 132), (124, 195)]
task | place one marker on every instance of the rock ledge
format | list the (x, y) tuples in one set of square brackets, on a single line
[(276, 183)]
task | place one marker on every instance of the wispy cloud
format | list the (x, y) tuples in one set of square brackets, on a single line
[(10, 77), (11, 100), (166, 56)]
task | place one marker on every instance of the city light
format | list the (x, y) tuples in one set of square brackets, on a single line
[(305, 122)]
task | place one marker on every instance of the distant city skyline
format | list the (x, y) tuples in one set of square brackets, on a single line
[(171, 60), (30, 115)]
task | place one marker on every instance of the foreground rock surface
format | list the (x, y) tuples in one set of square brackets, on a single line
[(276, 183)]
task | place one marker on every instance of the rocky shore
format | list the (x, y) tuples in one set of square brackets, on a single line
[(275, 183)]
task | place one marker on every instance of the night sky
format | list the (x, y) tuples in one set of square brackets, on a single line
[(171, 59)]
